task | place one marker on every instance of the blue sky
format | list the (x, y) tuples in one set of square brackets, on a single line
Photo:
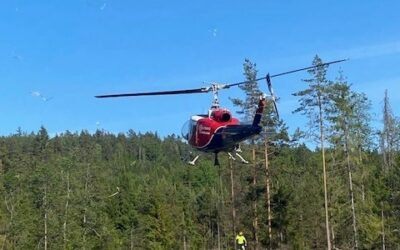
[(65, 52)]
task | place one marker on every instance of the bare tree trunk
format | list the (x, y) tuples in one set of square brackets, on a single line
[(45, 216), (10, 209), (4, 242), (131, 237), (317, 236), (255, 219), (184, 243), (233, 202), (219, 208), (66, 213), (383, 228), (321, 126), (353, 209), (360, 161), (219, 235), (268, 195), (205, 241), (85, 207), (184, 231)]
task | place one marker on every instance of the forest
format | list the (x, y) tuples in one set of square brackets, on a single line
[(82, 190)]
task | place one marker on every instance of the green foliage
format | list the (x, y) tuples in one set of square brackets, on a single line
[(139, 194)]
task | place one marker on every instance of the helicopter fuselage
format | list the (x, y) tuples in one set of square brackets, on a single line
[(219, 131)]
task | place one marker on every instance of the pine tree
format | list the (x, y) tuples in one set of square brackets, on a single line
[(313, 103), (349, 117), (389, 136), (248, 108), (390, 172)]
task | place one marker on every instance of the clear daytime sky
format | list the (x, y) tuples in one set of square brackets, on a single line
[(55, 56)]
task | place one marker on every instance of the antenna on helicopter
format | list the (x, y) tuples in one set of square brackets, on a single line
[(214, 88)]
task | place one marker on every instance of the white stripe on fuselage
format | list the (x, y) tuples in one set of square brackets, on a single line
[(209, 141)]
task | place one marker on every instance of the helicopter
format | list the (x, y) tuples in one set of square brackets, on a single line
[(218, 131)]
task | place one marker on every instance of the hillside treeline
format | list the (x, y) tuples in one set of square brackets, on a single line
[(135, 191)]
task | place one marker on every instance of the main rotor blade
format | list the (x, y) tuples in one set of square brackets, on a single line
[(173, 92), (311, 67), (287, 72), (208, 89)]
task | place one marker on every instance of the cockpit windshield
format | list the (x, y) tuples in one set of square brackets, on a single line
[(190, 126), (185, 130)]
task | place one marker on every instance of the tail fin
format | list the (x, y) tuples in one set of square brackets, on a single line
[(259, 111)]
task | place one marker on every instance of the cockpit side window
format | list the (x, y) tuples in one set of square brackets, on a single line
[(189, 128)]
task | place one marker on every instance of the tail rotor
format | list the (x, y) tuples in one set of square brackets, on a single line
[(273, 96)]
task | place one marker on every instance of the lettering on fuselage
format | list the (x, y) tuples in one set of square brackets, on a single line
[(204, 130)]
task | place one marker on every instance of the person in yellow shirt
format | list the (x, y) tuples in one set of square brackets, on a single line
[(241, 241)]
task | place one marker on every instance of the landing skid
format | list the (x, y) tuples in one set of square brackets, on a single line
[(239, 156), (193, 162), (237, 150)]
